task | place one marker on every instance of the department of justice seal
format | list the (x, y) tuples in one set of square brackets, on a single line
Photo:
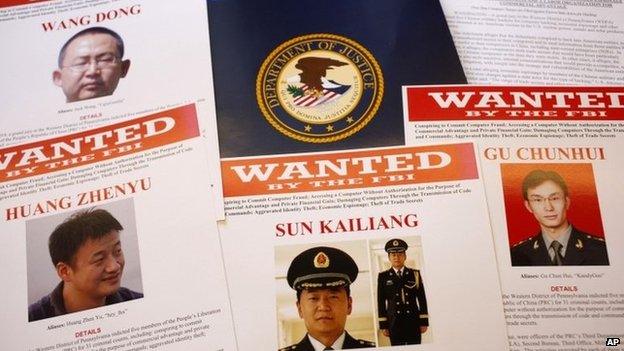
[(319, 88)]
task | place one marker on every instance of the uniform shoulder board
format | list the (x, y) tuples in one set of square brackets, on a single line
[(288, 348), (366, 343), (523, 241), (594, 238)]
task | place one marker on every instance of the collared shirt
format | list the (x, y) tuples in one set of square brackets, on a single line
[(398, 271), (337, 345), (53, 305), (562, 239)]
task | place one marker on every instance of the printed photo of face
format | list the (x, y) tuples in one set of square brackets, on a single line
[(324, 311), (97, 267), (90, 66), (88, 261), (397, 259), (565, 234), (549, 204)]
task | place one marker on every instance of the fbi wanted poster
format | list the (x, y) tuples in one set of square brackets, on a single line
[(335, 238), (105, 244), (77, 65), (551, 160), (361, 249)]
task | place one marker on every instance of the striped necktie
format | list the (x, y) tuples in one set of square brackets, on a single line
[(557, 259)]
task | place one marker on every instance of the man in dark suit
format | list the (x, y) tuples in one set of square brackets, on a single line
[(322, 276), (558, 242), (401, 301)]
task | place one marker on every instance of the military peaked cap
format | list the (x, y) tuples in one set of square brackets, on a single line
[(322, 267), (396, 245)]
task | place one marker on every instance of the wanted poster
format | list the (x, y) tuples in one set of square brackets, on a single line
[(333, 238), (551, 159), (110, 240), (369, 248), (71, 66)]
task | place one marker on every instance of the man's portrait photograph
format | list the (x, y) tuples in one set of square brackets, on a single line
[(82, 260), (553, 215), (90, 64), (401, 301), (323, 297)]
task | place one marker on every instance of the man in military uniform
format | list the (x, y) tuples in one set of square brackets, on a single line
[(401, 300), (558, 242), (322, 276)]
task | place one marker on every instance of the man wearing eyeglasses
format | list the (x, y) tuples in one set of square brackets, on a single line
[(558, 243), (90, 64)]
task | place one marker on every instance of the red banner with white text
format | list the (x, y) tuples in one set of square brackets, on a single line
[(516, 103), (348, 170), (99, 144)]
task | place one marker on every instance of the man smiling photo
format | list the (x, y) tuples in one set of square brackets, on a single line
[(558, 243), (90, 64), (87, 254)]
